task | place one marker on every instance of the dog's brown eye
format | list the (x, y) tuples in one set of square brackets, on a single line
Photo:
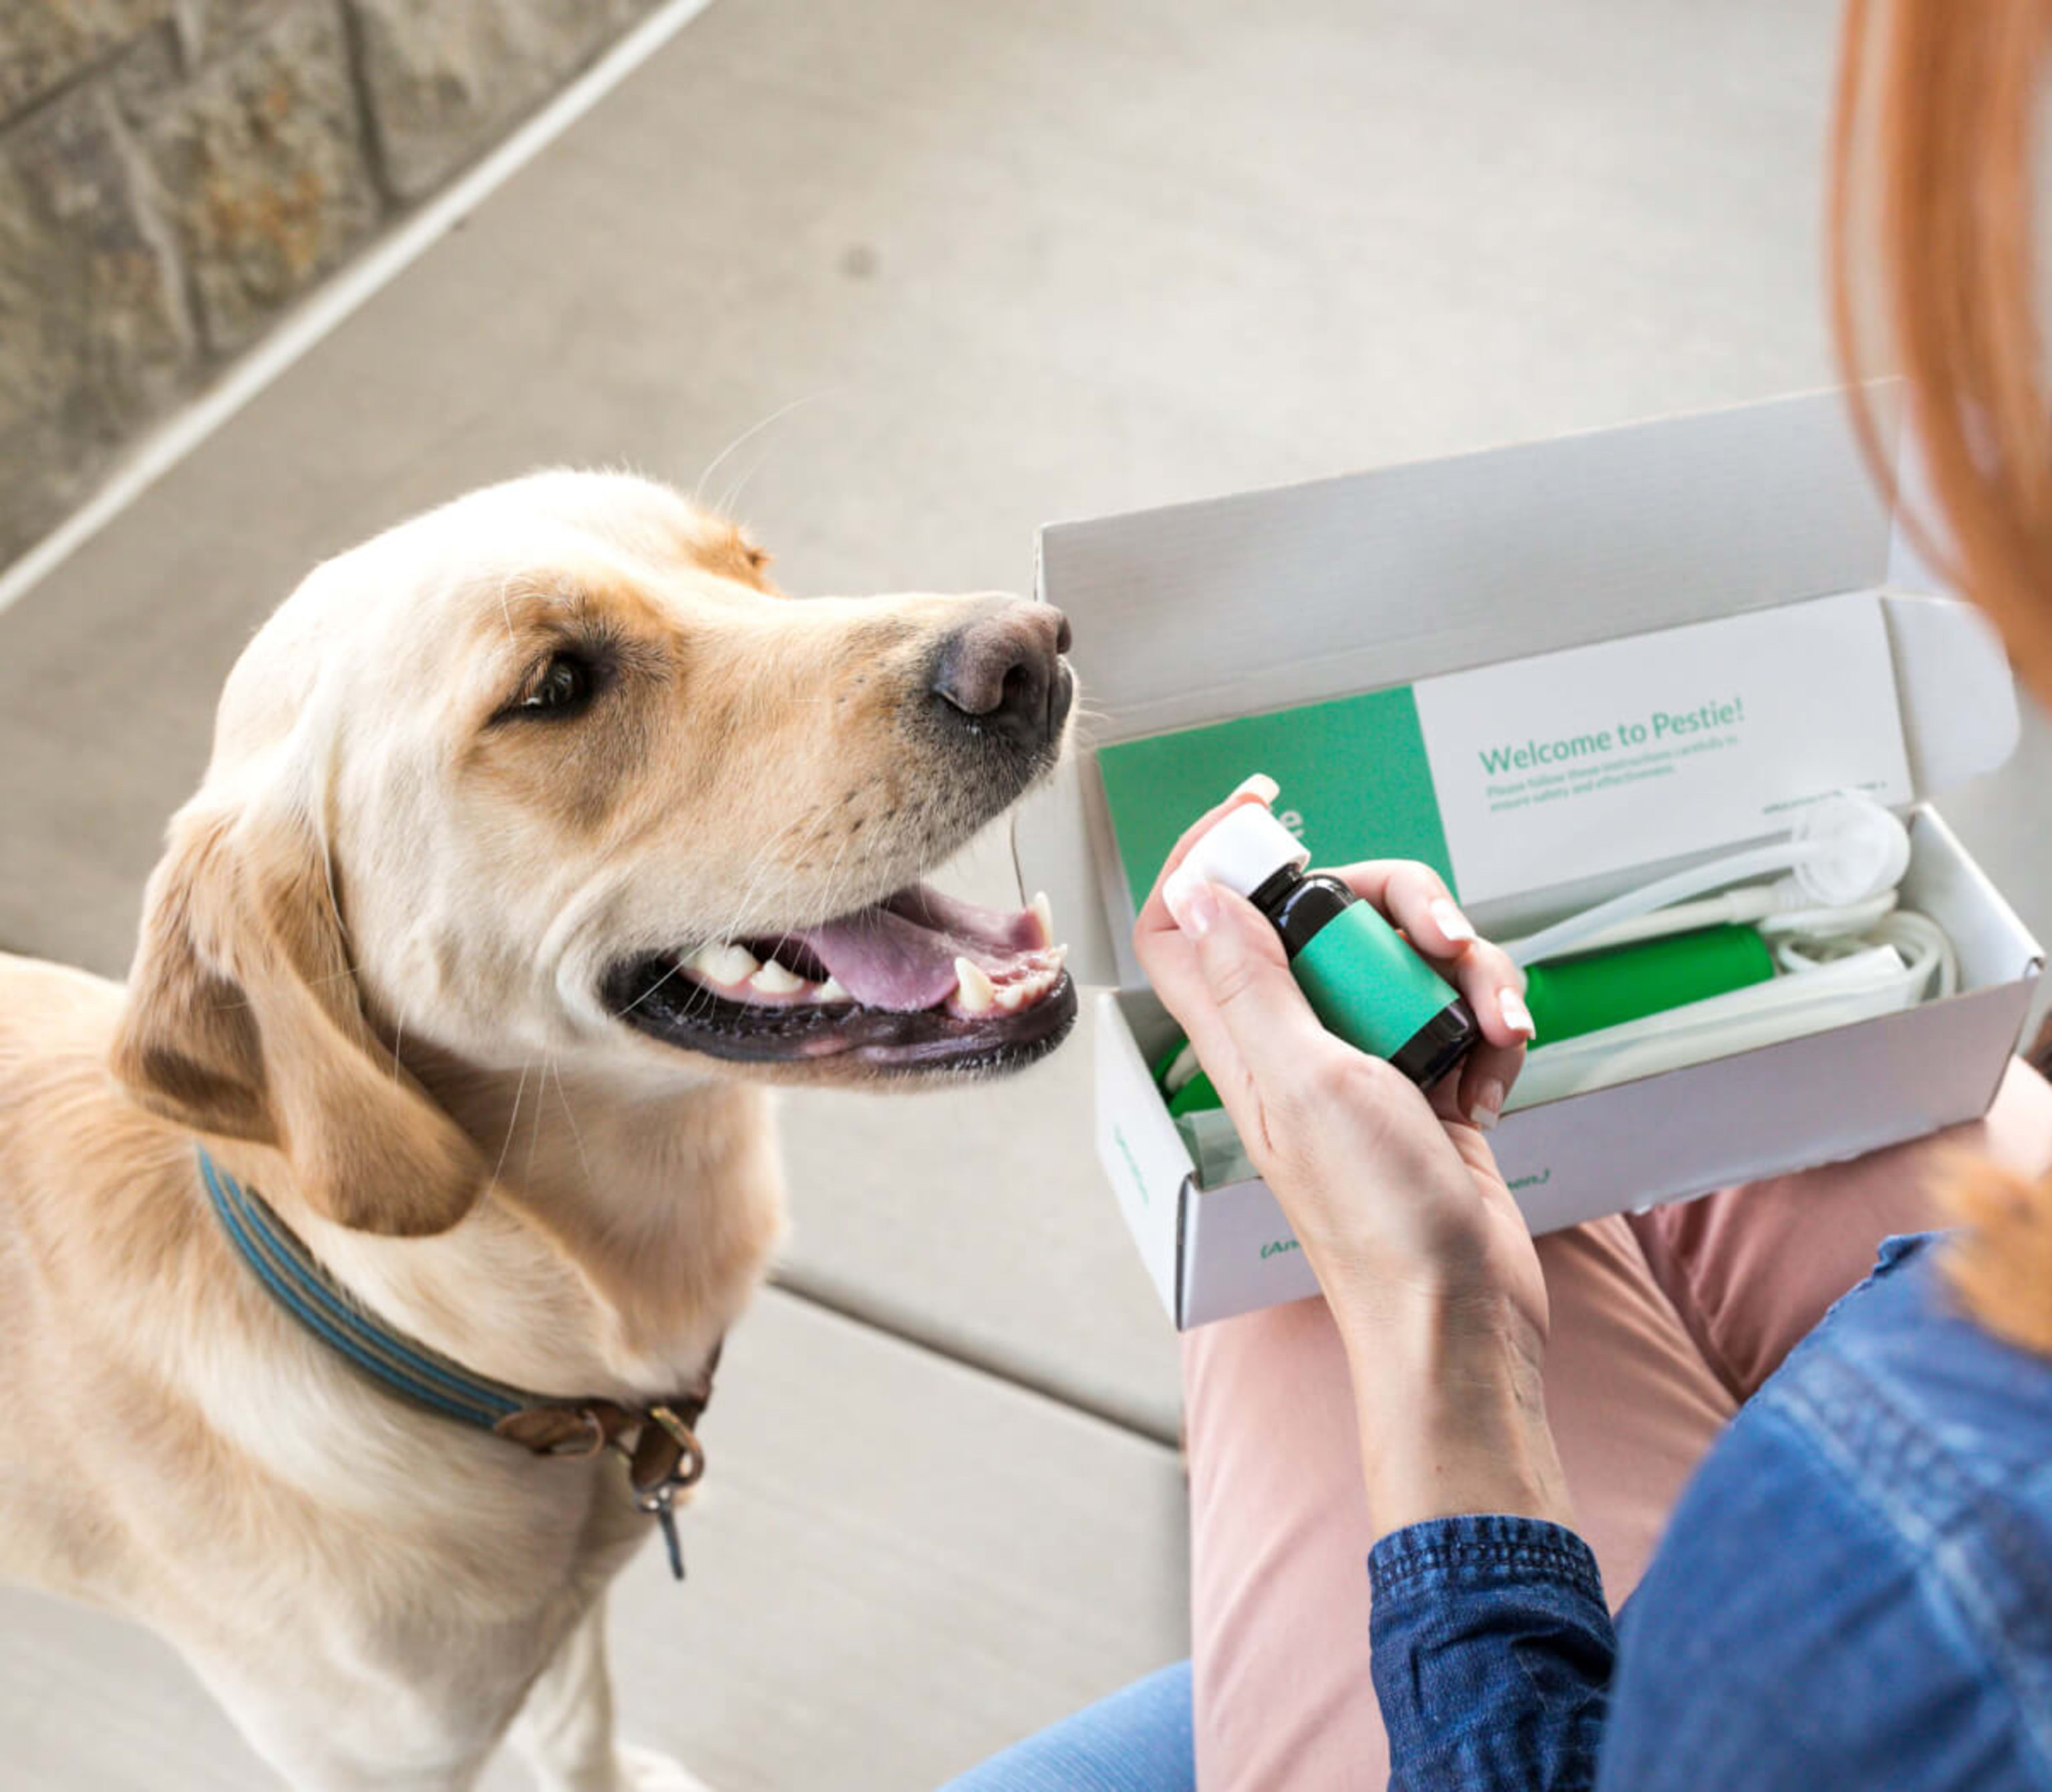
[(564, 688)]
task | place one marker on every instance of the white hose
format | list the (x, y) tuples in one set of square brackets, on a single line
[(1924, 946), (1846, 849), (1824, 924)]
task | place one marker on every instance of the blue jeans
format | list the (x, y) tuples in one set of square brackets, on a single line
[(1138, 1740)]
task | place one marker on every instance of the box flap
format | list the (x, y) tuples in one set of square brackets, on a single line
[(1268, 599), (1959, 715), (1400, 574)]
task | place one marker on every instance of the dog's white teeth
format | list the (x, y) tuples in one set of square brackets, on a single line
[(831, 991), (974, 990), (730, 965), (1043, 912), (1035, 983), (773, 979)]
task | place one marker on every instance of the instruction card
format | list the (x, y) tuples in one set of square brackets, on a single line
[(1576, 764), (1544, 771)]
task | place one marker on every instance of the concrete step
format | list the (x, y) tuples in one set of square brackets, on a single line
[(897, 1566)]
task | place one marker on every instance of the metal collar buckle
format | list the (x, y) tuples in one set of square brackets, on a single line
[(659, 1500), (691, 1461)]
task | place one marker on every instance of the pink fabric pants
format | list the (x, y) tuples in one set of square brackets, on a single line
[(1662, 1325)]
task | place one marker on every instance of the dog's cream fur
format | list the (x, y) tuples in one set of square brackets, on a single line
[(368, 977)]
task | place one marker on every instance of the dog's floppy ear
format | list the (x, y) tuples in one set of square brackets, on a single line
[(244, 1019)]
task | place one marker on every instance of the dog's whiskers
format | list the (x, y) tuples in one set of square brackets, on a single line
[(576, 1133), (621, 1013), (534, 1136), (753, 430), (1018, 870), (512, 1119), (731, 496)]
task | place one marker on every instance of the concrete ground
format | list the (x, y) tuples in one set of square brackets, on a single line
[(1004, 264)]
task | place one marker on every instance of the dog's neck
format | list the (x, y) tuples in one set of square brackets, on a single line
[(619, 1239)]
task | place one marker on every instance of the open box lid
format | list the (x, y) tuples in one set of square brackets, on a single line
[(1267, 600)]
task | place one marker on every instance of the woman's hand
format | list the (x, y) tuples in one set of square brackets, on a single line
[(1423, 1255)]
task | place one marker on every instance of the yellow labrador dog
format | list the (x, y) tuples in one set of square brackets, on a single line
[(540, 833)]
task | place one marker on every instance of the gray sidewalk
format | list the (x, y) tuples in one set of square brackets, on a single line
[(1005, 265)]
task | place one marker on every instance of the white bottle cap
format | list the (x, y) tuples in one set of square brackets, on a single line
[(1242, 849)]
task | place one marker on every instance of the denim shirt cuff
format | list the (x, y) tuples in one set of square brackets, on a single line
[(1491, 1651), (1481, 1551)]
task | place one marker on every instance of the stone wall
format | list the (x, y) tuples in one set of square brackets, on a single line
[(173, 174)]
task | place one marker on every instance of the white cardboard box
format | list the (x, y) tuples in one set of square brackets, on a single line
[(1267, 600)]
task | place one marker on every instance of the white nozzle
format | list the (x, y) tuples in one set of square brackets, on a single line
[(1243, 849), (1848, 848), (1845, 849)]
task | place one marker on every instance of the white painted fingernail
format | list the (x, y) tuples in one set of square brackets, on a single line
[(1259, 785), (1488, 1107), (1516, 1016), (1451, 922)]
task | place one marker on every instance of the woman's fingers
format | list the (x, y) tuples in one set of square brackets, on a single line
[(1495, 988), (1294, 1086), (1413, 896), (1246, 982), (1416, 899), (1476, 1093)]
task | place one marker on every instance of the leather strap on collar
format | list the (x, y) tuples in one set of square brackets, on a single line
[(659, 1441)]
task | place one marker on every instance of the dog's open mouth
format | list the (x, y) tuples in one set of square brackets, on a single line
[(919, 981)]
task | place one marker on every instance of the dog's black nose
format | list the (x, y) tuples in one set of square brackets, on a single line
[(1003, 673)]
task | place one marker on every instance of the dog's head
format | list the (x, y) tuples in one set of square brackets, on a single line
[(554, 774)]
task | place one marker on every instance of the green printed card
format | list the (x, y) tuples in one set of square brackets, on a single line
[(1356, 783)]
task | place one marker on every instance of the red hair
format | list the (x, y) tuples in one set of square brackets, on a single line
[(1932, 264)]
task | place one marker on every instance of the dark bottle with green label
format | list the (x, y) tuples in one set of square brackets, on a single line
[(1363, 980)]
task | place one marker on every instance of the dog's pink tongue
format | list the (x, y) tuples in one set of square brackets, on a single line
[(975, 929), (886, 961)]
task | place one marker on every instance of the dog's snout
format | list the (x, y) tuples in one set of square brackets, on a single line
[(1003, 673)]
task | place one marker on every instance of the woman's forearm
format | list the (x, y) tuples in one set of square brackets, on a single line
[(1452, 1414)]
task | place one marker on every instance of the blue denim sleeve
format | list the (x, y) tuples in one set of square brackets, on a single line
[(1856, 1588), (1491, 1650)]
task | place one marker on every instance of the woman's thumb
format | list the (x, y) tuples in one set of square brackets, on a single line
[(1247, 977)]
